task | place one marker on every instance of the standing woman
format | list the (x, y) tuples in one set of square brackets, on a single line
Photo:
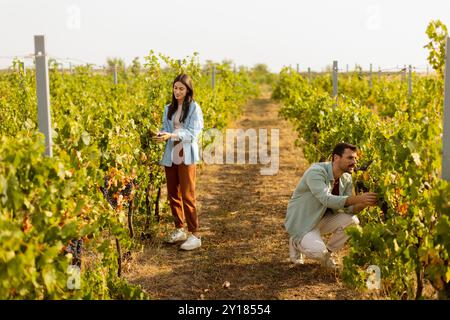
[(182, 123)]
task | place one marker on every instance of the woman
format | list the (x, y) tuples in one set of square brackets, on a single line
[(182, 123)]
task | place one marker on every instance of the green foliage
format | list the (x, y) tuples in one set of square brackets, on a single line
[(261, 74), (135, 67), (407, 234), (45, 203), (437, 33), (101, 133)]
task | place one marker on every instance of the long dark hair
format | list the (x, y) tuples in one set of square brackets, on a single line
[(187, 81)]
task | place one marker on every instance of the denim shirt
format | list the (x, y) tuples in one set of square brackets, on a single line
[(313, 195), (187, 135)]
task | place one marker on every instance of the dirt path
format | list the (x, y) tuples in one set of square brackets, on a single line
[(244, 241)]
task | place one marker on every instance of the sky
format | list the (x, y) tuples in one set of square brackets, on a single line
[(274, 32)]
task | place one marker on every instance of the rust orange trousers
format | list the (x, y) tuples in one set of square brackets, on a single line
[(181, 194)]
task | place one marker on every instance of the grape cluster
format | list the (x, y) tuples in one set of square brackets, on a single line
[(112, 197), (75, 247), (145, 236), (111, 200), (104, 189), (364, 167), (126, 192), (360, 187)]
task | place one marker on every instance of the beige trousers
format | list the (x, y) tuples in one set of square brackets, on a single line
[(312, 245)]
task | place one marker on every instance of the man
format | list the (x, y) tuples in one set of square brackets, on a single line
[(323, 202)]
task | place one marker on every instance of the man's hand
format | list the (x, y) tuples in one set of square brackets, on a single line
[(362, 200), (368, 199), (359, 207)]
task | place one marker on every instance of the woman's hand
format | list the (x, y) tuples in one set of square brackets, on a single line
[(162, 136)]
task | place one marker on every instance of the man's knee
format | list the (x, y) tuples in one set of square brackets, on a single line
[(313, 249), (349, 220), (345, 220)]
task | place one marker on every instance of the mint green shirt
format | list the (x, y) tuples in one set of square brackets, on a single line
[(312, 197)]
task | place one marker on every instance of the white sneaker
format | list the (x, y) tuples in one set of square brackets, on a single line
[(191, 243), (176, 236), (295, 256), (328, 262)]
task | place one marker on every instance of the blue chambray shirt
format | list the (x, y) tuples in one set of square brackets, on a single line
[(313, 196), (188, 135)]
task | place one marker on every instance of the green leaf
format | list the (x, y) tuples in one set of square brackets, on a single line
[(86, 138), (416, 158), (396, 247), (49, 277)]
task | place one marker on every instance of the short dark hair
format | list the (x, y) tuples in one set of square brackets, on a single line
[(339, 149)]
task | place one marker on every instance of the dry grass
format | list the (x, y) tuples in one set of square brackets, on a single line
[(242, 227)]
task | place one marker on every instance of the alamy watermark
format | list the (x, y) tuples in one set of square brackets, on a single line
[(217, 147), (374, 279), (74, 279), (374, 18), (73, 21)]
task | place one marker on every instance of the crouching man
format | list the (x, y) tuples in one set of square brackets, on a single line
[(322, 203)]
